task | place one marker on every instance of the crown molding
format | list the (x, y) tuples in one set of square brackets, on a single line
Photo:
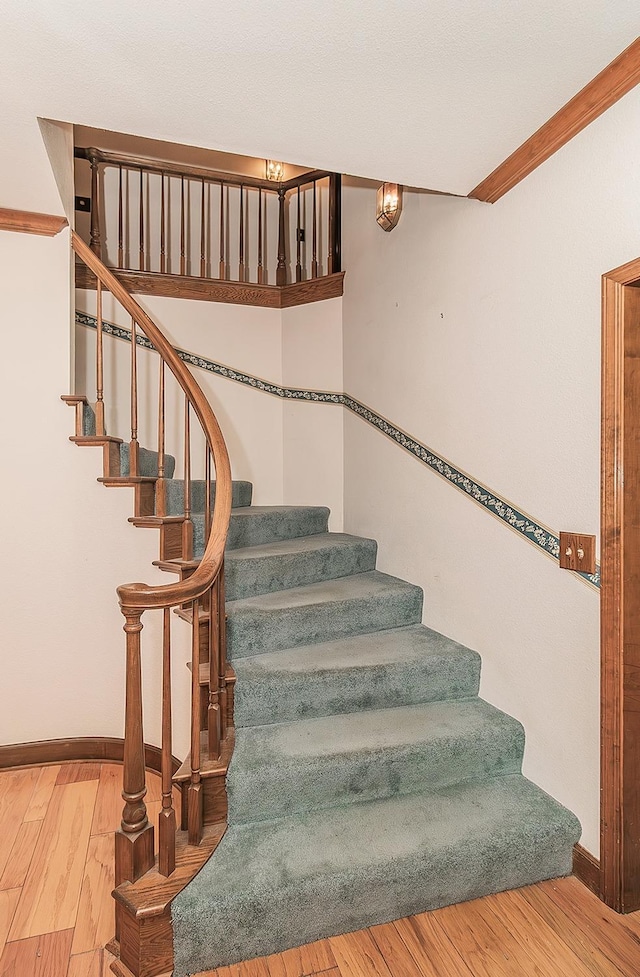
[(601, 93)]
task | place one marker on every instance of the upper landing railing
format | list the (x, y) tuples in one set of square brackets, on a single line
[(152, 217)]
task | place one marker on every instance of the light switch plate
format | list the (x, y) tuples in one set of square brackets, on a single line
[(578, 552)]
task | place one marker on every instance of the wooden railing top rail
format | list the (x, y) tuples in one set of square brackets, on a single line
[(141, 596), (197, 172)]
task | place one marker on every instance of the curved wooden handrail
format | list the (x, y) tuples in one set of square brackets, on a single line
[(141, 596)]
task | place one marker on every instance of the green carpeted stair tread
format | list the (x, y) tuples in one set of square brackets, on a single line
[(255, 525), (147, 462), (401, 666), (323, 611), (349, 758), (253, 570), (241, 493), (281, 883)]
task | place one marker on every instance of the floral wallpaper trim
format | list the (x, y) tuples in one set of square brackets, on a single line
[(515, 518)]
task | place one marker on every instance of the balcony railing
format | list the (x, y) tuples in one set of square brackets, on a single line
[(156, 218)]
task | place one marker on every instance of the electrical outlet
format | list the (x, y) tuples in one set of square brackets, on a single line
[(300, 235), (578, 552), (83, 204)]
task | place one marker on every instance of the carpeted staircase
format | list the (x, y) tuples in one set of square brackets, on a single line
[(368, 781)]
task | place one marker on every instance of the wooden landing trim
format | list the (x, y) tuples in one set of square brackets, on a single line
[(315, 290), (28, 222), (74, 399), (208, 767), (93, 440), (215, 290), (117, 481), (596, 97), (153, 893), (204, 671), (177, 566), (155, 522)]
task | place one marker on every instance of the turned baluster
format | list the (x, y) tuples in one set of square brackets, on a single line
[(183, 258), (194, 793), (167, 822), (120, 221), (260, 268), (241, 237), (214, 725), (134, 840), (298, 244), (141, 228), (314, 258), (163, 257), (187, 526), (203, 263), (161, 499), (133, 444), (281, 271), (222, 268), (94, 240), (100, 429), (335, 220), (222, 655), (207, 493)]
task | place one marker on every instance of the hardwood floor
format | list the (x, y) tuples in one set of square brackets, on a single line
[(56, 867), (56, 910)]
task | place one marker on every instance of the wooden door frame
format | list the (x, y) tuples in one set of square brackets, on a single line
[(620, 568)]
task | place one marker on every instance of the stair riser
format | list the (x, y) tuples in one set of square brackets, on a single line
[(299, 783), (247, 577), (252, 632), (174, 494), (326, 905), (351, 690), (147, 462), (88, 420), (255, 529)]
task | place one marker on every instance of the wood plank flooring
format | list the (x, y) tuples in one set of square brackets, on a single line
[(553, 929), (56, 910), (57, 827)]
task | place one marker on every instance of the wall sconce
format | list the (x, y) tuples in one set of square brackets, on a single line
[(389, 205), (274, 171)]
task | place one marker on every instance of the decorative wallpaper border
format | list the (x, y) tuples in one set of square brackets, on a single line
[(515, 518)]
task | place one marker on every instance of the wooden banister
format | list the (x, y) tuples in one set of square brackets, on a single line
[(134, 846), (147, 596), (130, 202)]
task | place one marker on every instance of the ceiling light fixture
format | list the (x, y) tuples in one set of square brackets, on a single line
[(274, 171), (389, 205)]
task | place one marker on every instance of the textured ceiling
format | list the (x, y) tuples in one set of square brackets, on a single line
[(430, 94)]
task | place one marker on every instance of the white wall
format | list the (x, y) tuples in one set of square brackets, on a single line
[(476, 328), (313, 433), (66, 539)]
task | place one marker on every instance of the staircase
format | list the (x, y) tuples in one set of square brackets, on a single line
[(343, 770), (368, 780)]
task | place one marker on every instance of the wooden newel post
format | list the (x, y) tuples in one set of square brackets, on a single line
[(281, 272), (94, 242), (134, 840), (335, 223)]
